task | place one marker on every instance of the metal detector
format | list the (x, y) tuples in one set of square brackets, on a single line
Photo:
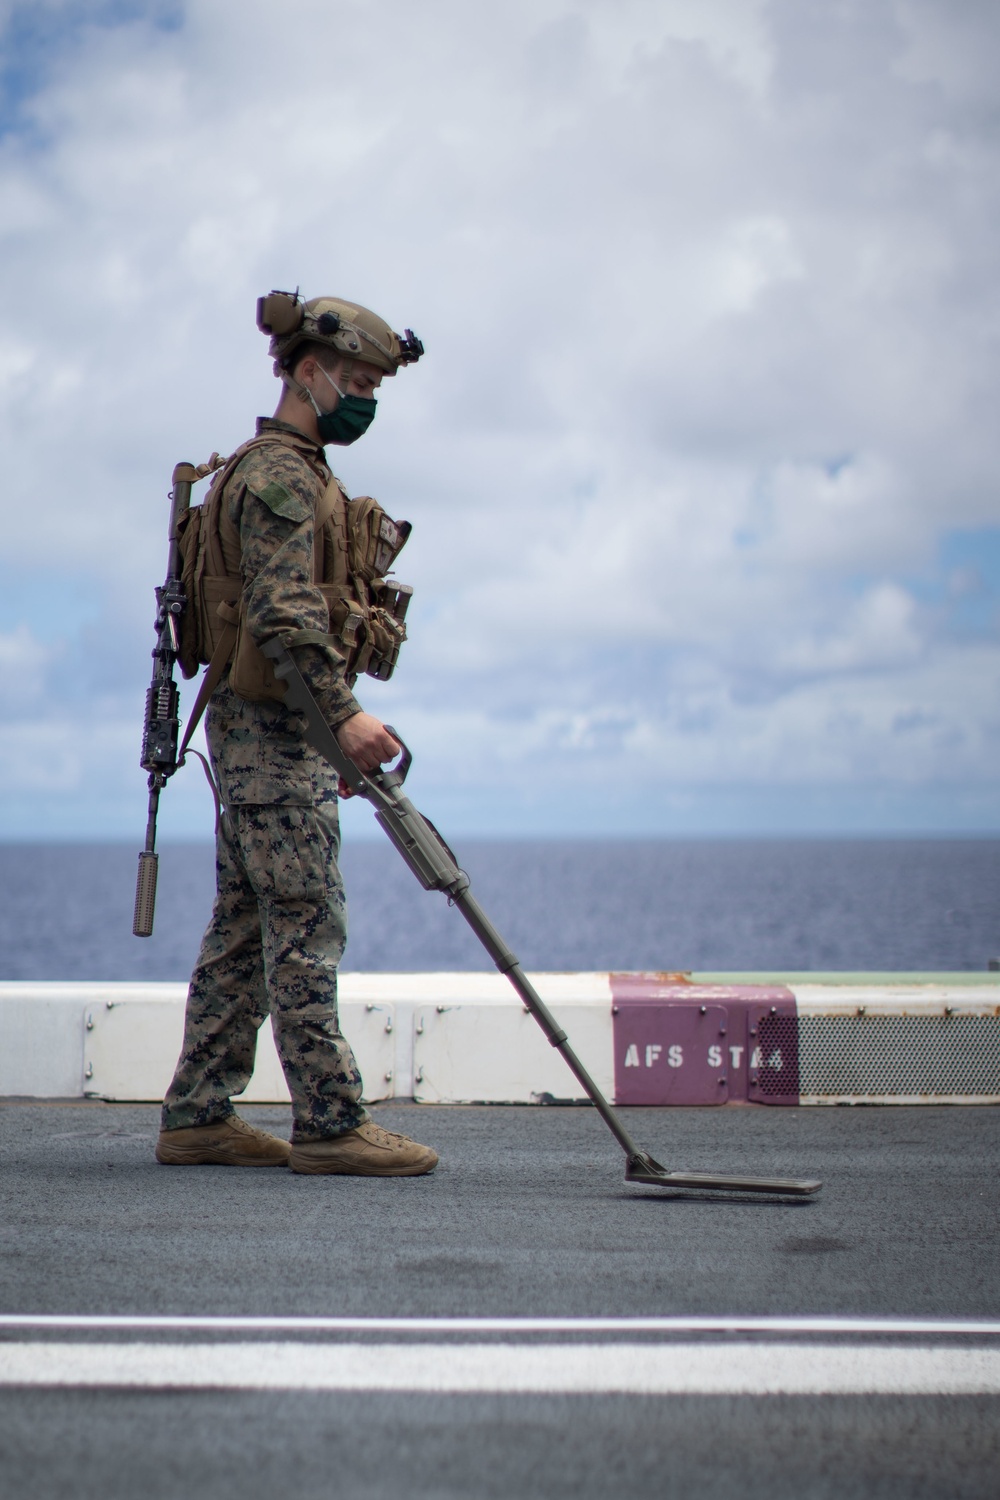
[(437, 869)]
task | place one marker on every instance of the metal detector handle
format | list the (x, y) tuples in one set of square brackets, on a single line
[(413, 835), (397, 774), (433, 863), (379, 785)]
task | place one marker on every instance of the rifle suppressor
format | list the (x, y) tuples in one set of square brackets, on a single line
[(145, 894)]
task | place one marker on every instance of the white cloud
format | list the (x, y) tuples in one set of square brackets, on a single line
[(879, 631), (708, 295), (23, 661)]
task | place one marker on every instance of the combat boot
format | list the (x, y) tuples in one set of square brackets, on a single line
[(226, 1143), (368, 1151)]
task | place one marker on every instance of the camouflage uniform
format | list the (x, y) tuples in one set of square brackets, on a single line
[(279, 922)]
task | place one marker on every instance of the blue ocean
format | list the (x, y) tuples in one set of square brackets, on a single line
[(746, 904)]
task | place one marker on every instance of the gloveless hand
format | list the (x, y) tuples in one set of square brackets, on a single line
[(367, 742)]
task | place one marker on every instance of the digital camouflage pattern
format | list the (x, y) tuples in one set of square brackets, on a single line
[(271, 499), (279, 923), (277, 932)]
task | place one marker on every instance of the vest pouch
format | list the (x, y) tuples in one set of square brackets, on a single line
[(374, 539), (213, 592), (338, 597), (390, 602), (349, 627), (251, 675), (387, 636), (356, 635)]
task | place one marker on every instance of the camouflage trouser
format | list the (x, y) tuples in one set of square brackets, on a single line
[(277, 933)]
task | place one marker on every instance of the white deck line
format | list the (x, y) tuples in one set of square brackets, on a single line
[(745, 1369), (921, 1327)]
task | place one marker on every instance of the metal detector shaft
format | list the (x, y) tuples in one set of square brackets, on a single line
[(508, 965), (437, 869), (639, 1166)]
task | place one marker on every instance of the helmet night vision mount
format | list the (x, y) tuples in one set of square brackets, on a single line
[(353, 331)]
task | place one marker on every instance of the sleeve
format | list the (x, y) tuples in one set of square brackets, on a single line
[(274, 503)]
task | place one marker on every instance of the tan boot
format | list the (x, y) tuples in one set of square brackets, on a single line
[(227, 1143), (368, 1151)]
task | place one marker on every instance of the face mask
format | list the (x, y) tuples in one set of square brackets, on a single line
[(350, 419)]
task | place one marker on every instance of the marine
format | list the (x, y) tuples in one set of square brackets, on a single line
[(285, 534)]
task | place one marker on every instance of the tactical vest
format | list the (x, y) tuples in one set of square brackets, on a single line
[(355, 545)]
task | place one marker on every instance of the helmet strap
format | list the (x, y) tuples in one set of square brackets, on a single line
[(298, 389), (288, 379)]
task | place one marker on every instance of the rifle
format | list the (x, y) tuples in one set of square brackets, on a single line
[(161, 729), (436, 867)]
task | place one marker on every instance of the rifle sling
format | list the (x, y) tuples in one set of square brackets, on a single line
[(209, 683)]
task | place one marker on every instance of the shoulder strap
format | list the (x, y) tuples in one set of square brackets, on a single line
[(327, 503)]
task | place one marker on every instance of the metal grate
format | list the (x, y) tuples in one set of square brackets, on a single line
[(879, 1056), (774, 1059)]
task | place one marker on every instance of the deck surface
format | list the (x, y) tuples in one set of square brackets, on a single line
[(528, 1217)]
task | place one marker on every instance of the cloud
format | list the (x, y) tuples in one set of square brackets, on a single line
[(707, 290), (23, 662)]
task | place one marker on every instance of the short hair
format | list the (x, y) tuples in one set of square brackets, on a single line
[(322, 353)]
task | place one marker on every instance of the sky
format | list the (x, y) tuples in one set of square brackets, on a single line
[(702, 458)]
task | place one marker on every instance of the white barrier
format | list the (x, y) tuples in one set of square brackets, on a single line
[(436, 1038), (453, 1038)]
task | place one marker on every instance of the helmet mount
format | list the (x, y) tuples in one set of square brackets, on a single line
[(353, 331)]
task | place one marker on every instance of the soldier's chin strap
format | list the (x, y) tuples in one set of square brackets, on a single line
[(302, 391), (287, 378)]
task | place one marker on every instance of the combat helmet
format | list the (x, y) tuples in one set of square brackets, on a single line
[(353, 331)]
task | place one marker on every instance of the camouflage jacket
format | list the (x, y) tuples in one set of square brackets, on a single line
[(270, 498)]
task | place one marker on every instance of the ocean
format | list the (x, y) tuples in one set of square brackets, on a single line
[(740, 904)]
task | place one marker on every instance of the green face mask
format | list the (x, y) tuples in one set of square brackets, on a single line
[(349, 420)]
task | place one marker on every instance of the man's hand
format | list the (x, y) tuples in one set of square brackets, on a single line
[(367, 742)]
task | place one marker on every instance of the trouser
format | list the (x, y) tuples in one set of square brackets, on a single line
[(277, 933)]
